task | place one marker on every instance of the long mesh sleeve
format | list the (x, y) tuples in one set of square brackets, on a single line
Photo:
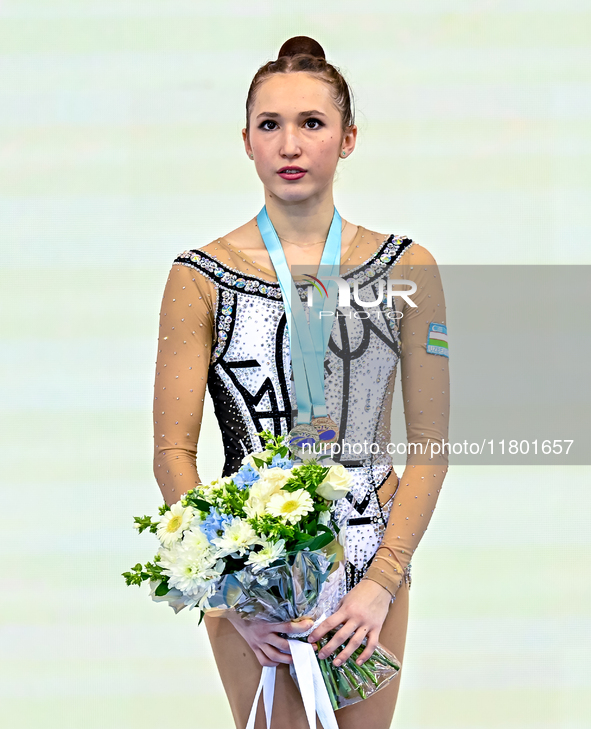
[(185, 340), (425, 390)]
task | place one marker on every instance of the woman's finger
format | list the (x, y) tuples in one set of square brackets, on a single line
[(353, 644), (264, 660), (372, 644), (276, 655), (292, 627), (338, 639), (299, 626), (326, 626), (278, 642)]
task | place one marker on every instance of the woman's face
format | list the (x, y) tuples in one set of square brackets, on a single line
[(295, 125)]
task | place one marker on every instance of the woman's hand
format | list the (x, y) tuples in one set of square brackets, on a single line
[(362, 613), (269, 647)]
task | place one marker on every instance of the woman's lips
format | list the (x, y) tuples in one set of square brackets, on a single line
[(295, 175)]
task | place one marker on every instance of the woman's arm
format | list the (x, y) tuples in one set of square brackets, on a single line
[(425, 391), (184, 352), (186, 337)]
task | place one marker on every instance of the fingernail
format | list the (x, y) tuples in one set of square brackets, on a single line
[(359, 662), (337, 662), (321, 655), (310, 639)]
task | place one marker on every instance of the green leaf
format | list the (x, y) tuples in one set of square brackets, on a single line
[(201, 504), (162, 589), (320, 541)]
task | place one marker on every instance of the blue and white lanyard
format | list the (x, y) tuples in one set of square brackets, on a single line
[(308, 343)]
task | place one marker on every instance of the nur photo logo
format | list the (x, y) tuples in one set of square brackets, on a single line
[(344, 293)]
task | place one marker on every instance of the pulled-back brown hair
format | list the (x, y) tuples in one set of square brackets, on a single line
[(301, 53)]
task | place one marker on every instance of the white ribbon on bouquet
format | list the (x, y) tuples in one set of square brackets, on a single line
[(305, 664), (312, 688)]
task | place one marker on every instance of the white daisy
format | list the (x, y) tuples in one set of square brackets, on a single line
[(238, 537), (173, 523), (268, 554), (290, 506)]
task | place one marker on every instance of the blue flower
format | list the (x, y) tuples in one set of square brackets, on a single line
[(246, 476), (213, 525), (281, 462)]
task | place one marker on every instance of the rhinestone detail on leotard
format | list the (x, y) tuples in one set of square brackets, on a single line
[(251, 387)]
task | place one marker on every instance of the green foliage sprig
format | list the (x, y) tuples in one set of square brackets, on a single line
[(307, 476), (149, 571)]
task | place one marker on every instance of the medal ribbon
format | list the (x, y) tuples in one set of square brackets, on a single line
[(308, 342)]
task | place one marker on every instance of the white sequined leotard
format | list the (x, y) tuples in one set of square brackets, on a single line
[(223, 326)]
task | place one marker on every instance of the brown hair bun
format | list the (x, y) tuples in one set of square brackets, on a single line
[(301, 44), (303, 54)]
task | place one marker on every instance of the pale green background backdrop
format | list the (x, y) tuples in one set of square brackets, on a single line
[(119, 148)]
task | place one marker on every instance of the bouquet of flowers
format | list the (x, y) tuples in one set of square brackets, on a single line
[(263, 542)]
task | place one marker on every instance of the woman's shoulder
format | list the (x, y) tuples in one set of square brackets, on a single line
[(413, 252), (218, 249), (226, 262), (226, 248), (418, 255)]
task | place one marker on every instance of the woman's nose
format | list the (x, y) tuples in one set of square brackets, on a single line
[(290, 143)]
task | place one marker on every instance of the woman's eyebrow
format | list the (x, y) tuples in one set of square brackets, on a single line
[(274, 114)]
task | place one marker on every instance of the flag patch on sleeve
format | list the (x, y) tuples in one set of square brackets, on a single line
[(437, 339)]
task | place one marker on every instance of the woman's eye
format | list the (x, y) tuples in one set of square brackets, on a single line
[(267, 121), (314, 121)]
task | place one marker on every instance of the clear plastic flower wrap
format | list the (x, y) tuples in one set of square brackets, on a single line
[(349, 683), (308, 588), (301, 585)]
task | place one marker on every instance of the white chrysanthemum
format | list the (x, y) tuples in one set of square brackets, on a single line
[(260, 493), (195, 539), (193, 569), (254, 507), (276, 475), (173, 523), (264, 489), (268, 554), (238, 537), (168, 555), (290, 506)]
